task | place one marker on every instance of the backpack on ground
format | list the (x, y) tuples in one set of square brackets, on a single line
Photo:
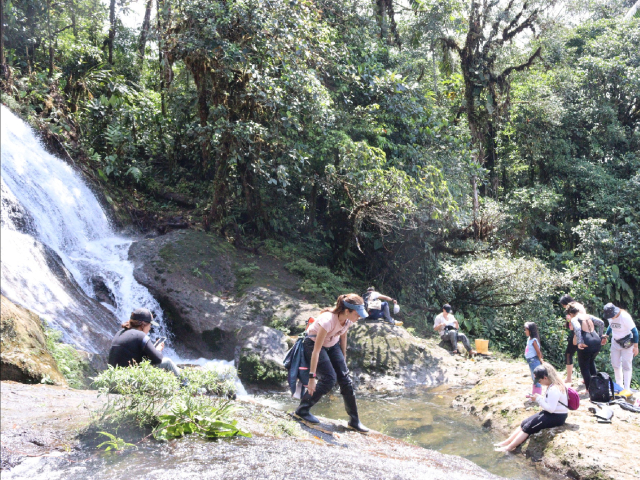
[(601, 388), (573, 399)]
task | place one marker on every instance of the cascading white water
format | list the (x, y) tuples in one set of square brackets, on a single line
[(44, 201), (46, 206)]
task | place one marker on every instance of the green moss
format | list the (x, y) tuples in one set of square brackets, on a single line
[(168, 254), (70, 364), (244, 276), (252, 369)]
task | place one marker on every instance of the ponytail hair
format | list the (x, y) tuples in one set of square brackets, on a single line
[(135, 324), (573, 309), (351, 298)]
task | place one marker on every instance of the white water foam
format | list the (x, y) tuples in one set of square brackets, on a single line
[(55, 207), (45, 201)]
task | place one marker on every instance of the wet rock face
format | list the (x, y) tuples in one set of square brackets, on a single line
[(24, 355), (83, 320), (224, 303), (220, 303)]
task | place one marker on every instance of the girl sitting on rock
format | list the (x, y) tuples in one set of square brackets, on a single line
[(325, 348), (554, 408)]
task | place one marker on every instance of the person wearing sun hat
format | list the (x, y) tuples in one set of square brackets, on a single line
[(325, 349), (131, 345), (624, 343)]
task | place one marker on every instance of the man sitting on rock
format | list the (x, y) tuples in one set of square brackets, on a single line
[(447, 325), (132, 345), (377, 306)]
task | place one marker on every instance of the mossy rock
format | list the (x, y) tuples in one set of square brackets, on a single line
[(253, 369), (25, 357)]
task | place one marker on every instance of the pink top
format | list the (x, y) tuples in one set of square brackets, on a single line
[(329, 321)]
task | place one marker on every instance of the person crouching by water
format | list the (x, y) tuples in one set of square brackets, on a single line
[(132, 345), (554, 408), (325, 348)]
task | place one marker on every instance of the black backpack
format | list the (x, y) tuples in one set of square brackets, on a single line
[(601, 388)]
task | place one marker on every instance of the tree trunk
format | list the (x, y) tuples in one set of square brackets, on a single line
[(144, 32), (200, 79), (112, 28), (313, 205), (72, 10), (4, 70), (50, 35)]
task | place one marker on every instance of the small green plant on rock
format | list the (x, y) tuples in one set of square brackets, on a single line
[(193, 415), (68, 359), (253, 369), (114, 443)]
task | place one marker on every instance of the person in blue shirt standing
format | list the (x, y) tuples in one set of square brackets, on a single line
[(532, 353)]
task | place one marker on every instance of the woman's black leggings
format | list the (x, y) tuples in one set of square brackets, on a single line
[(587, 362), (570, 350), (542, 420)]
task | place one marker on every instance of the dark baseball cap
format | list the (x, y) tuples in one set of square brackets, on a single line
[(610, 311), (447, 307), (143, 315)]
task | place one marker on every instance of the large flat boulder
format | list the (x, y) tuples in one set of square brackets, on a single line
[(24, 355)]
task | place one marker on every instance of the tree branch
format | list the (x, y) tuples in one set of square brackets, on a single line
[(508, 71)]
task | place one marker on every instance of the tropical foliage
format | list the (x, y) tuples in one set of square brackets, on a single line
[(480, 153)]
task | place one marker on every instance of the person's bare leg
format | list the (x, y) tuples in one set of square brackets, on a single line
[(569, 374), (508, 440), (520, 437)]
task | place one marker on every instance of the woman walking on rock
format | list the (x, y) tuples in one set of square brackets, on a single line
[(554, 408), (588, 331), (325, 349), (571, 349)]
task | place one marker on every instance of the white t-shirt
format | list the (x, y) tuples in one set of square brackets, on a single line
[(622, 325), (374, 295), (439, 320)]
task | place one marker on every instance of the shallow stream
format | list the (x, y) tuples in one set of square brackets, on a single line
[(425, 418)]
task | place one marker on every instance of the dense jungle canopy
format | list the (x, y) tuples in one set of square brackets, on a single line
[(483, 153)]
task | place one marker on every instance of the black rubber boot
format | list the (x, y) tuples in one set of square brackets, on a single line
[(306, 403), (352, 410)]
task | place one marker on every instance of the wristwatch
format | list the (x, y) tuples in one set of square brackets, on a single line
[(312, 375)]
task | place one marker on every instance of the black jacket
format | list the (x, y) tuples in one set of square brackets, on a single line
[(130, 346)]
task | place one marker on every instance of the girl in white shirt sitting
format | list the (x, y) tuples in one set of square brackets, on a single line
[(554, 408)]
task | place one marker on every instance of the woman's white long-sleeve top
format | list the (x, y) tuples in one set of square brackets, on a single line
[(552, 401)]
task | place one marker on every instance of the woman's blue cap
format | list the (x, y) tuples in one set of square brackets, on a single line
[(358, 308)]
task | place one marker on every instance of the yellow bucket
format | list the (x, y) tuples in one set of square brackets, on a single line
[(482, 346)]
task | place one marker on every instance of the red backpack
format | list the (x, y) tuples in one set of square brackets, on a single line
[(573, 399)]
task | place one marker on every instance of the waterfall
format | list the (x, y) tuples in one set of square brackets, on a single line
[(54, 227), (60, 252)]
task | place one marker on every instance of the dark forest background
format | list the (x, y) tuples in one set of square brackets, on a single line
[(481, 153)]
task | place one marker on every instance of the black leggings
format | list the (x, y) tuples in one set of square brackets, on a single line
[(587, 363), (571, 349), (331, 369), (542, 420)]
